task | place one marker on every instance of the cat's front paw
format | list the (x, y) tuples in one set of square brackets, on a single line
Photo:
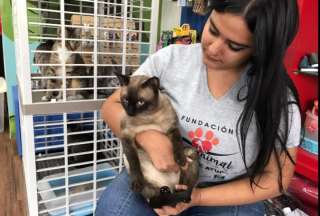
[(191, 153), (181, 160)]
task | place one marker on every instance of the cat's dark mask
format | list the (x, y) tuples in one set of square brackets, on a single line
[(138, 94)]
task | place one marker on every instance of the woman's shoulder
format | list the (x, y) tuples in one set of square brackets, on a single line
[(180, 50), (184, 46)]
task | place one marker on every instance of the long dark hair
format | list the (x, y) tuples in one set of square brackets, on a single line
[(274, 24)]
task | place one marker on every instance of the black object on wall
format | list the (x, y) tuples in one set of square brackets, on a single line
[(195, 21)]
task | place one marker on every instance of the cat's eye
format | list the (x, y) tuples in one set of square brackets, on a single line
[(125, 101), (140, 103)]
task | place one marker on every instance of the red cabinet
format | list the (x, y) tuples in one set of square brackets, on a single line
[(307, 165), (304, 185), (305, 42)]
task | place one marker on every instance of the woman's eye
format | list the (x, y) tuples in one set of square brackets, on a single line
[(213, 32), (140, 103), (235, 47)]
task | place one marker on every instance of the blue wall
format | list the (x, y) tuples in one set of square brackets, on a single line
[(195, 21)]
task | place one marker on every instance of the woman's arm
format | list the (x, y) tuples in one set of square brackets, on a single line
[(240, 192), (112, 112), (157, 145)]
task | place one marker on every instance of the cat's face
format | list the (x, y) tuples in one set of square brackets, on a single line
[(139, 94), (72, 33)]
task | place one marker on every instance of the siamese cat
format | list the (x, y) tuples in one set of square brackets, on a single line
[(62, 56), (147, 108)]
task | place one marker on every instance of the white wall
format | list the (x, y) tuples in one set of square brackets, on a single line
[(170, 15)]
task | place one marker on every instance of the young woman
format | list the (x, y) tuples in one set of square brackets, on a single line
[(236, 105)]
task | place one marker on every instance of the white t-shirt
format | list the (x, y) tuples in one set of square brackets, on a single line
[(207, 123)]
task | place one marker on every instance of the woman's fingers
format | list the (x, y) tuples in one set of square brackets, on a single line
[(181, 187), (160, 212), (168, 210)]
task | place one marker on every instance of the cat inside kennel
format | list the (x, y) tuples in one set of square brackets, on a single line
[(79, 72)]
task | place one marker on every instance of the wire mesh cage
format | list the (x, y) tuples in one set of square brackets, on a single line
[(68, 53), (76, 157), (77, 46)]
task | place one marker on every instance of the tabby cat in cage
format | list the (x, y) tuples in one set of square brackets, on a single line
[(60, 56)]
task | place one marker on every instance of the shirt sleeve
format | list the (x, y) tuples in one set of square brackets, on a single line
[(155, 64), (294, 125)]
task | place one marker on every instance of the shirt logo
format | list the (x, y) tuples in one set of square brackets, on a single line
[(203, 142)]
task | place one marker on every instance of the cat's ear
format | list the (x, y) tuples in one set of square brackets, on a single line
[(77, 32), (152, 82), (72, 32), (123, 79), (69, 32)]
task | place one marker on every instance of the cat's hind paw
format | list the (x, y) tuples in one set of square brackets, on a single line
[(137, 186), (181, 160), (191, 153), (45, 98)]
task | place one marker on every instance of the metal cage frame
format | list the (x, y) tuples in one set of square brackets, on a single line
[(35, 126)]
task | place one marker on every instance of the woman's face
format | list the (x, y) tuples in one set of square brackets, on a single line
[(226, 41)]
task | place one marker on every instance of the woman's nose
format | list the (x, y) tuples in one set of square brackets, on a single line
[(216, 47)]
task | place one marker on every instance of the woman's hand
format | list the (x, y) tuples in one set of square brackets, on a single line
[(180, 207), (168, 210), (159, 148)]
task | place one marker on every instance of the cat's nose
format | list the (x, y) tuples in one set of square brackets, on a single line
[(131, 112)]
